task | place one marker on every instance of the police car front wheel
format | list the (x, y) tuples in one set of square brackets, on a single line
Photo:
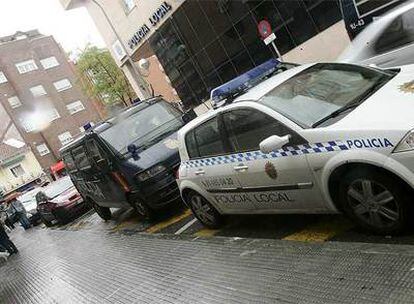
[(204, 211), (376, 201)]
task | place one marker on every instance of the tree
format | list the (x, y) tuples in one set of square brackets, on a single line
[(101, 78)]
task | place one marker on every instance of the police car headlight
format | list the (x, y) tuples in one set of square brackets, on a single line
[(407, 143), (143, 176)]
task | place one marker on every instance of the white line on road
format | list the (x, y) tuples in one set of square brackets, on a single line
[(186, 226)]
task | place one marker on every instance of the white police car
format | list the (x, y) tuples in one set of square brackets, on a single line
[(318, 138)]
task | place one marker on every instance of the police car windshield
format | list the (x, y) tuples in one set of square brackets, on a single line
[(142, 127), (322, 89)]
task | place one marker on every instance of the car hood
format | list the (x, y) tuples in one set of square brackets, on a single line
[(65, 196), (165, 151), (30, 206), (391, 107)]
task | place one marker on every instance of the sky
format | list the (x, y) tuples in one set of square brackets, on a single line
[(73, 29)]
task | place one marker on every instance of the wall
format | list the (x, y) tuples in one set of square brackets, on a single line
[(160, 81), (126, 24), (326, 46), (19, 85), (30, 166)]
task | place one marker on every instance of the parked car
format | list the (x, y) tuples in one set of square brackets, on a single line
[(60, 202), (387, 42), (129, 160), (28, 200), (318, 138)]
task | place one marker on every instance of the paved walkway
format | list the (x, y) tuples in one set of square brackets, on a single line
[(56, 266)]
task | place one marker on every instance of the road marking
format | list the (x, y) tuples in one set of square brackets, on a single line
[(126, 224), (206, 232), (321, 231), (186, 226), (169, 222)]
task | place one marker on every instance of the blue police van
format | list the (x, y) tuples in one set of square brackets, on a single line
[(130, 159)]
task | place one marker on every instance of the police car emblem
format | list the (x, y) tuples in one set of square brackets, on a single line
[(270, 170), (171, 143), (407, 87)]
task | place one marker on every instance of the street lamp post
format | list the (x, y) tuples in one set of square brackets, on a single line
[(142, 83)]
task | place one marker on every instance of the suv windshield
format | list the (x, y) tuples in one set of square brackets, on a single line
[(144, 127), (317, 92)]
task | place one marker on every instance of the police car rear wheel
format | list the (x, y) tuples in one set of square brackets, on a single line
[(204, 211), (375, 201)]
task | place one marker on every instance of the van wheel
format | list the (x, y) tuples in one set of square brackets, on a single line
[(204, 211), (142, 209), (376, 201), (103, 212)]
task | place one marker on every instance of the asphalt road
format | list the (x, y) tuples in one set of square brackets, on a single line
[(252, 259), (83, 264), (180, 221)]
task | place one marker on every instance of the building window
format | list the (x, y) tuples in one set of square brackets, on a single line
[(75, 107), (28, 126), (14, 102), (26, 66), (128, 5), (3, 78), (38, 91), (42, 149), (49, 62), (62, 85), (49, 116), (65, 138), (17, 171), (53, 114)]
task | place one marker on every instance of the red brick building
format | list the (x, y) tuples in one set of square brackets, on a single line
[(39, 91)]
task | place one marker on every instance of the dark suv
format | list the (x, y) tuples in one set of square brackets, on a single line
[(129, 160)]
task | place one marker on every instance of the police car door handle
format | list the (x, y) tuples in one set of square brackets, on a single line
[(200, 172), (241, 167)]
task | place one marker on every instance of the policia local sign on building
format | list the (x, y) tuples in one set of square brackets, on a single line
[(144, 30)]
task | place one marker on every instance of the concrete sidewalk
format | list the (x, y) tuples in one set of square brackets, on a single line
[(56, 266)]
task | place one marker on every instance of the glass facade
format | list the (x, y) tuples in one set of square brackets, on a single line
[(206, 43)]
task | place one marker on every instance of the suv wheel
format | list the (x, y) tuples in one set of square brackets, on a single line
[(376, 201), (204, 211), (103, 212), (142, 209)]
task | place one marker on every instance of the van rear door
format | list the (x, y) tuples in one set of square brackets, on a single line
[(100, 180)]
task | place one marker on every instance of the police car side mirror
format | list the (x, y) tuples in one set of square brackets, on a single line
[(273, 143)]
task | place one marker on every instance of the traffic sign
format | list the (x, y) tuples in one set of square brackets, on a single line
[(264, 29), (269, 39)]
